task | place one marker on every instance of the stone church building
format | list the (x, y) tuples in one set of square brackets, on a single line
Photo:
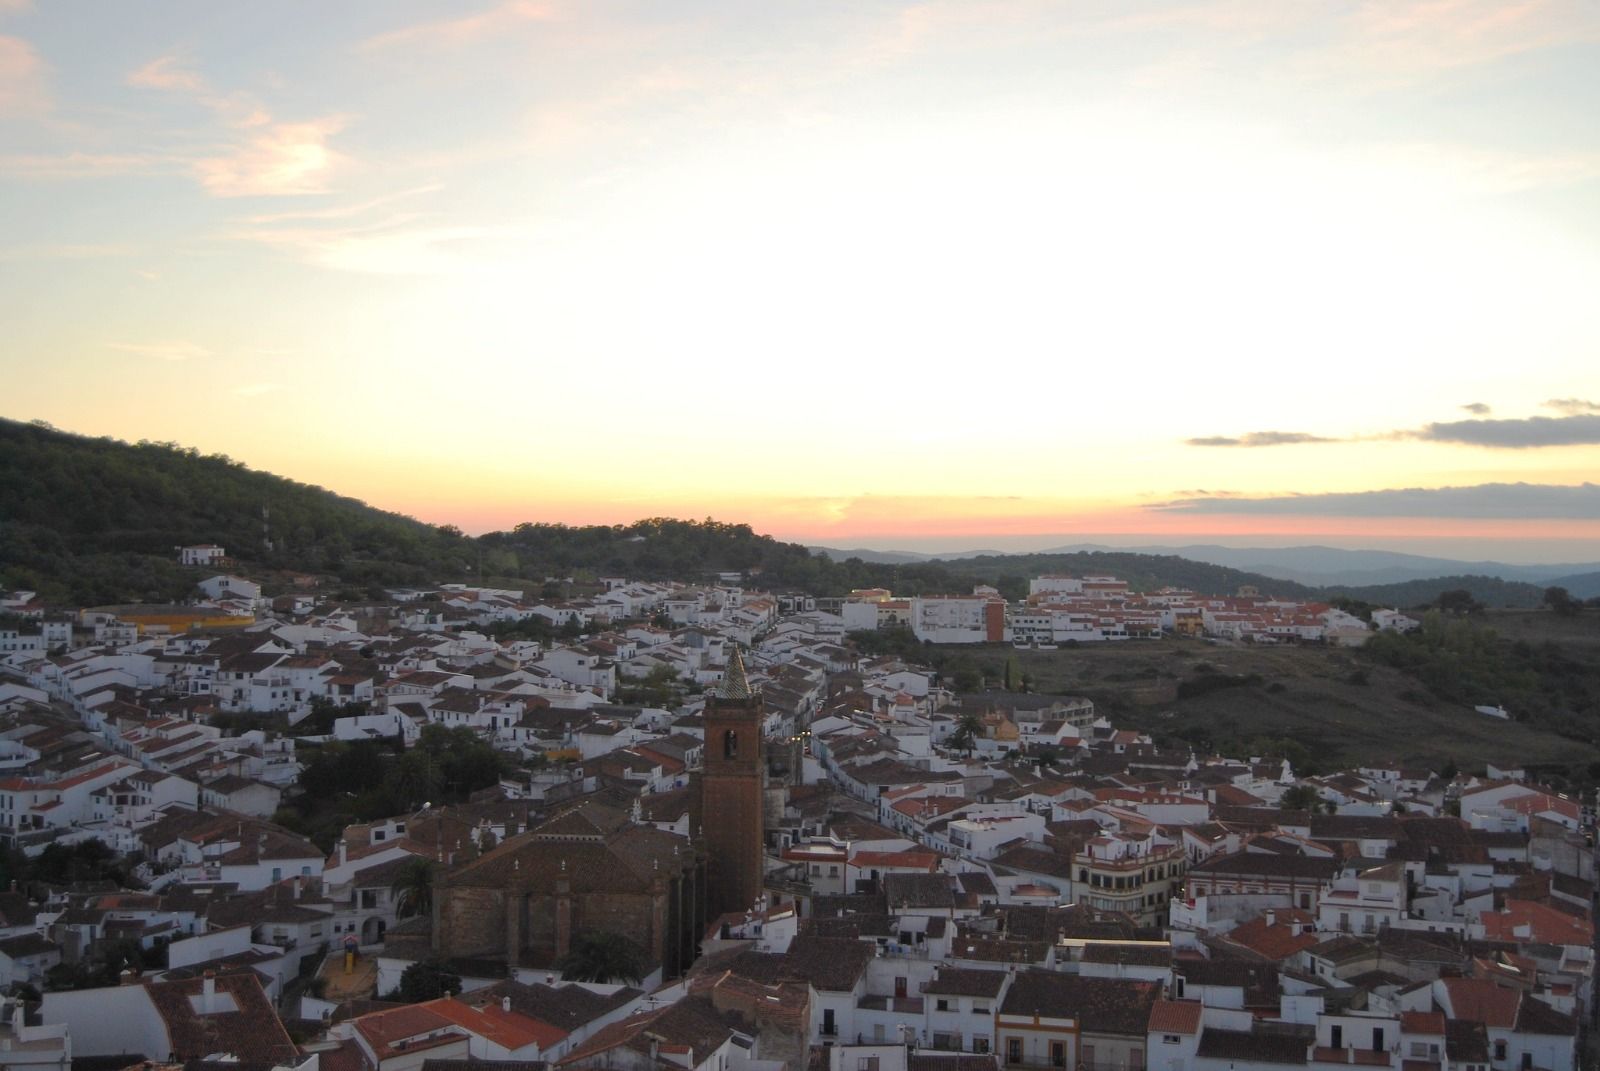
[(591, 867)]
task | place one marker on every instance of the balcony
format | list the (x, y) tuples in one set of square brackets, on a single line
[(1359, 1057), (898, 1005)]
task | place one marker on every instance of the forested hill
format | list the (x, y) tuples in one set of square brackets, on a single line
[(88, 521)]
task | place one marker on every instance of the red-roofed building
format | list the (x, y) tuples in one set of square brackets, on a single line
[(1525, 921), (498, 1033), (1275, 936), (394, 1039)]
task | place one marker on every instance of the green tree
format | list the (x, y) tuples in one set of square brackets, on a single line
[(1561, 601), (425, 980), (1458, 601), (600, 956), (969, 728), (1300, 798), (416, 779), (412, 888)]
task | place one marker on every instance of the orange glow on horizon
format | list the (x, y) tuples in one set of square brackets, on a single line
[(883, 521)]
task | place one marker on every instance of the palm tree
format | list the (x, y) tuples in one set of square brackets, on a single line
[(598, 956), (968, 729), (412, 888)]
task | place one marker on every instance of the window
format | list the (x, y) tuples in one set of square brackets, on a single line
[(1171, 1039), (730, 744), (867, 1063), (1013, 1050), (941, 1005), (980, 1044), (1058, 1054), (980, 1009)]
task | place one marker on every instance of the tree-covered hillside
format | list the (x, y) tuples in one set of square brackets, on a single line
[(89, 521), (1488, 590)]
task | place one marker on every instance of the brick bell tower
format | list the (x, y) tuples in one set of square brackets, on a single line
[(732, 788)]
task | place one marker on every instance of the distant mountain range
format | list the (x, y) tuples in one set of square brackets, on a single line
[(1313, 566)]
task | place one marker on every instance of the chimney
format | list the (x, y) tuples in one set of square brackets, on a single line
[(344, 852), (505, 1004), (208, 993), (1272, 918)]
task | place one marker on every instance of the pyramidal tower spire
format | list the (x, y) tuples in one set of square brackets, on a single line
[(735, 683)]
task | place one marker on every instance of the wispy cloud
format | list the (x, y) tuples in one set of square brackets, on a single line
[(401, 245), (162, 351), (1260, 438), (1439, 35), (23, 93), (262, 156), (166, 72), (341, 211), (282, 160), (1515, 434), (464, 29), (86, 165), (1572, 406), (65, 251), (1579, 425), (1495, 501)]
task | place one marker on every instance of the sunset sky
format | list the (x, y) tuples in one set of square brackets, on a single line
[(934, 275)]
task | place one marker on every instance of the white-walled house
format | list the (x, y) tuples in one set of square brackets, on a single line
[(225, 586)]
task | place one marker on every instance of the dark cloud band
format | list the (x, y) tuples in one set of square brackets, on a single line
[(1260, 438), (1489, 501), (1519, 434)]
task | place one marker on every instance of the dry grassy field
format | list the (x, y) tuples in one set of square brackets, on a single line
[(1341, 707)]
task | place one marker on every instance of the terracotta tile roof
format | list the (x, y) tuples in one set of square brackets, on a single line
[(1482, 1001), (510, 1030), (1244, 1046), (691, 1026), (566, 1007), (1103, 1005), (383, 1029), (966, 982), (1175, 1017), (1278, 940), (250, 1029), (1525, 920)]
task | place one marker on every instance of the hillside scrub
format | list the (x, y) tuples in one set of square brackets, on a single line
[(1460, 660)]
